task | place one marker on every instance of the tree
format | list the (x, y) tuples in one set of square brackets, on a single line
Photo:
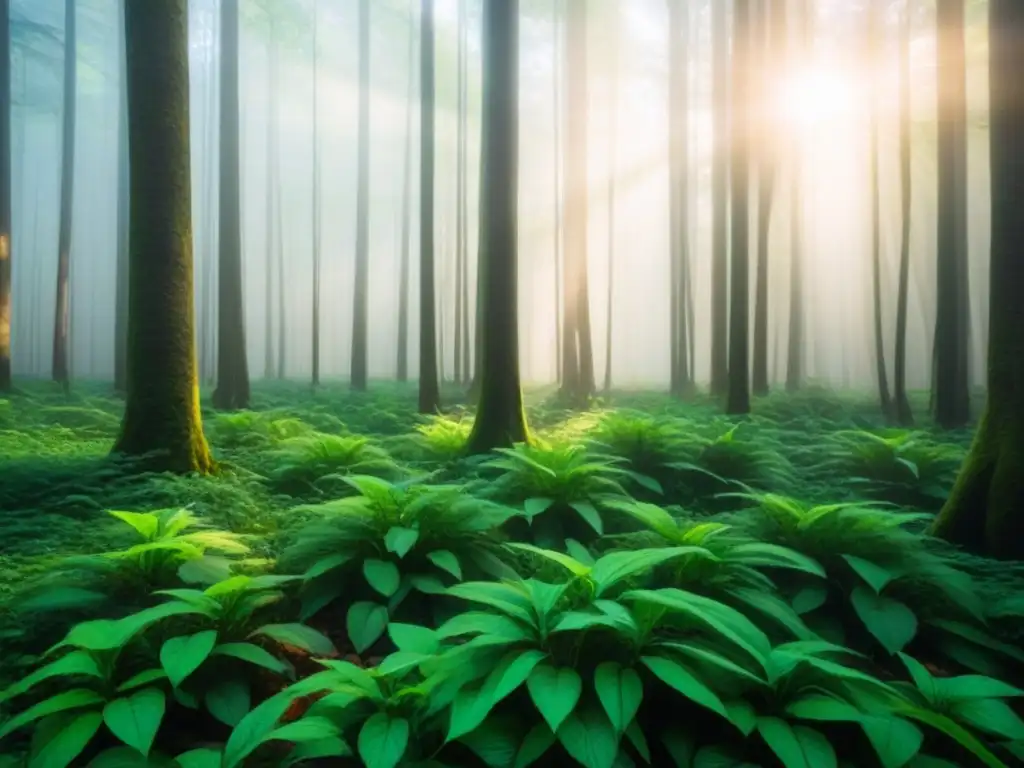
[(62, 306), (123, 181), (461, 276), (799, 22), (429, 391), (500, 420), (5, 196), (951, 390), (360, 298), (681, 377), (719, 199), (232, 392), (984, 511), (272, 192), (403, 269), (317, 234), (901, 405), (738, 400), (613, 148), (162, 418)]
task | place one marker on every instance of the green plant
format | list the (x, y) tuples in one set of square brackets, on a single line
[(648, 443), (443, 438), (253, 429), (562, 488), (318, 463), (397, 540)]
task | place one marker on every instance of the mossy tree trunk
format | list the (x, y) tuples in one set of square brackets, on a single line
[(232, 392), (738, 400), (162, 418), (720, 199), (406, 223), (123, 181), (951, 388), (500, 420), (985, 512), (429, 390), (901, 404), (62, 308), (360, 298), (5, 196)]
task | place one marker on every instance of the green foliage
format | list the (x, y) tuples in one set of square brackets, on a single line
[(375, 550), (318, 463), (252, 429), (648, 443)]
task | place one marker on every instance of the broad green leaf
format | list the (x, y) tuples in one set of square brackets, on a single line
[(365, 623), (579, 552), (383, 740), (620, 691), (126, 757), (809, 599), (254, 727), (208, 569), (891, 622), (651, 515), (895, 740), (873, 574), (400, 540), (683, 680), (955, 731), (472, 706), (538, 506), (136, 719), (181, 656), (590, 739), (304, 730), (975, 687), (992, 716), (495, 742), (613, 568), (61, 750), (572, 565), (229, 701), (199, 758), (824, 707), (797, 746), (680, 747), (480, 623), (145, 523), (325, 565), (590, 515), (253, 654), (555, 692), (298, 636), (400, 662), (313, 750), (414, 638), (145, 677), (382, 575), (77, 698), (534, 746), (108, 635), (647, 482), (446, 561), (76, 663), (507, 598)]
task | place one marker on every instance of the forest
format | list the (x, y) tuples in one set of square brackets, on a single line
[(509, 383)]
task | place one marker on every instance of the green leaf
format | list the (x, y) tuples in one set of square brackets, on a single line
[(555, 692), (298, 636), (955, 731), (126, 757), (400, 540), (507, 598), (495, 742), (325, 565), (579, 552), (382, 575), (181, 656), (199, 758), (874, 575), (208, 569), (400, 662), (229, 701), (612, 568), (809, 599), (383, 740), (534, 746), (590, 515), (253, 654), (313, 750), (824, 707), (365, 623), (620, 691), (414, 638), (975, 687), (76, 698), (135, 720), (146, 524), (647, 482), (108, 635), (675, 675), (67, 744), (76, 663), (446, 561), (797, 746), (895, 740), (538, 506), (570, 564), (305, 730), (891, 622), (590, 739), (471, 706), (254, 727), (992, 716), (680, 747)]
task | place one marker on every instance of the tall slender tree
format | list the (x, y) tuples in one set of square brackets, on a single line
[(232, 392), (360, 298), (272, 184), (460, 187), (429, 390), (613, 150), (985, 511), (720, 198), (951, 389), (799, 24), (121, 278), (738, 400), (162, 423), (317, 233), (901, 404), (680, 375), (406, 223), (5, 196), (557, 34), (62, 308), (500, 420)]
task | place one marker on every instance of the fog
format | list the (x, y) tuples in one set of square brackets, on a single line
[(824, 105)]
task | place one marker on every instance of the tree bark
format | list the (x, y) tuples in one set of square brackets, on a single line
[(680, 377), (720, 199), (121, 285), (232, 392), (5, 197), (798, 27), (316, 197), (500, 420), (162, 421), (360, 298), (613, 165), (985, 512), (403, 270), (901, 404), (460, 190), (429, 391), (62, 307)]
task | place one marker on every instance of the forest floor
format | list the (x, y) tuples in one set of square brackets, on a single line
[(596, 482)]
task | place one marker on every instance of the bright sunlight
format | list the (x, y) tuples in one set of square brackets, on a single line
[(816, 96)]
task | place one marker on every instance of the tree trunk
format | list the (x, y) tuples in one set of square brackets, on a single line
[(464, 148), (162, 421), (680, 376), (62, 308), (556, 120), (403, 270), (232, 391), (876, 220), (460, 189), (208, 310), (952, 392), (430, 392), (798, 25), (121, 289), (985, 512), (738, 400), (901, 405), (360, 297), (720, 199), (270, 200), (316, 196), (500, 420), (613, 150), (5, 197)]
